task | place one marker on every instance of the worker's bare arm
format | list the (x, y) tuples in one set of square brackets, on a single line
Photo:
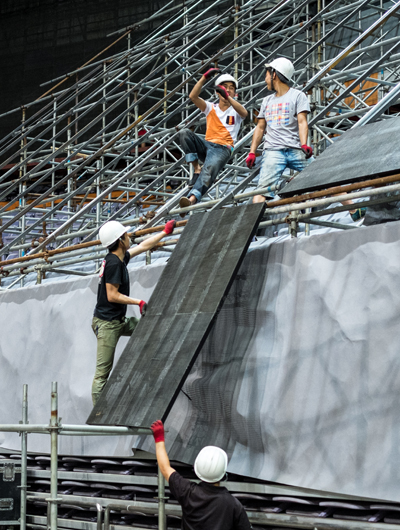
[(303, 127), (148, 244), (257, 135), (115, 297), (163, 460), (195, 93), (238, 107)]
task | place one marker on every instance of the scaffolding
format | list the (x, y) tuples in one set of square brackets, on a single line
[(160, 506), (55, 428), (102, 142)]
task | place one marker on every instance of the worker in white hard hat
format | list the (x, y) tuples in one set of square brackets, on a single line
[(109, 320), (283, 120), (207, 505), (223, 120)]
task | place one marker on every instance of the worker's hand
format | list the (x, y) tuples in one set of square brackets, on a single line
[(307, 150), (251, 160), (222, 90), (169, 227), (211, 72), (158, 431), (142, 307)]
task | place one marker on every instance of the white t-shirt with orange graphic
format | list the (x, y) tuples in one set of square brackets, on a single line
[(222, 126)]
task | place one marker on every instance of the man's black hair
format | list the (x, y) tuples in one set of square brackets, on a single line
[(281, 77), (114, 246)]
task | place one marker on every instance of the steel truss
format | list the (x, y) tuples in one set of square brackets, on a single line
[(103, 142)]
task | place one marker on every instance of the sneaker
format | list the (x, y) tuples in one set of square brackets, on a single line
[(184, 203), (358, 214), (193, 179)]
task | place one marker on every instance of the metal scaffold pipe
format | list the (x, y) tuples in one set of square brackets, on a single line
[(342, 55), (80, 246), (376, 111), (54, 457), (24, 454)]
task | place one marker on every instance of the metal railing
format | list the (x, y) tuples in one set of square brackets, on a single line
[(103, 506), (55, 429)]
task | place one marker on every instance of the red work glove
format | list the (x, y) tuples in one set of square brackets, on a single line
[(211, 72), (250, 160), (169, 227), (142, 307), (307, 150), (222, 90), (158, 431)]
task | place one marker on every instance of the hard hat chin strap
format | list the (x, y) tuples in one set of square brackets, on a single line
[(123, 243), (273, 71)]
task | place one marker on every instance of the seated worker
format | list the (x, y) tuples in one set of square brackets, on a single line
[(223, 124), (283, 120), (205, 506), (109, 320)]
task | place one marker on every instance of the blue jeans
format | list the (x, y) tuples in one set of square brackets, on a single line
[(274, 163), (214, 156)]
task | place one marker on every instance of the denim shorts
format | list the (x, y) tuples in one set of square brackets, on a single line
[(274, 163)]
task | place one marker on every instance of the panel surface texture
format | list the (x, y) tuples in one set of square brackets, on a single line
[(181, 311), (365, 152)]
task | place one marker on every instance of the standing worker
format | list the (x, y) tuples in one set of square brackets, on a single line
[(109, 320), (283, 119), (223, 124), (205, 506)]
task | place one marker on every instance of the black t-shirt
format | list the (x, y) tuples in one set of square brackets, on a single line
[(207, 507), (113, 270)]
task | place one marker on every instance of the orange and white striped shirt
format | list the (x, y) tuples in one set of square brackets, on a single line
[(222, 126)]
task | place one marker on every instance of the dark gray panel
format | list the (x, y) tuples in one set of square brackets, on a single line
[(190, 292), (365, 152)]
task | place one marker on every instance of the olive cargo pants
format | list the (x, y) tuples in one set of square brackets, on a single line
[(108, 333)]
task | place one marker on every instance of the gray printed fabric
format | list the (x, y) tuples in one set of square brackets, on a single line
[(280, 114), (299, 379), (300, 376)]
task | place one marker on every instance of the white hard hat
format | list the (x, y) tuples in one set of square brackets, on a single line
[(111, 231), (224, 78), (283, 66), (210, 464)]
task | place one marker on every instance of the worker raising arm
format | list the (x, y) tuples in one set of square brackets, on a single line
[(205, 506), (109, 321), (222, 128)]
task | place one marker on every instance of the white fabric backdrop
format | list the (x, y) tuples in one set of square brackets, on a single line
[(46, 336)]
